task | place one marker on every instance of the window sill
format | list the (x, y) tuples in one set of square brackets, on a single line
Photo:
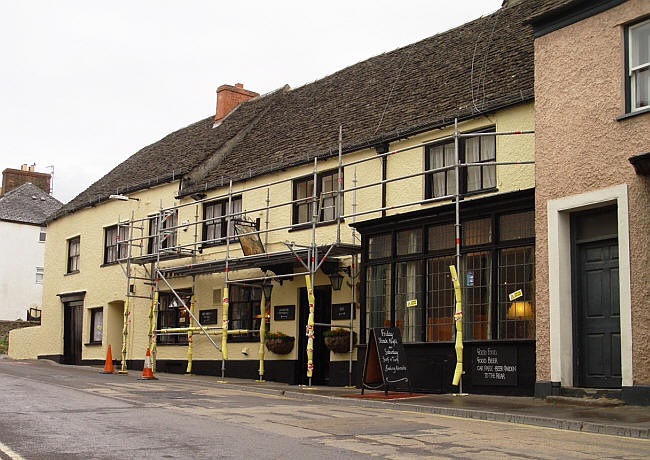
[(89, 344), (633, 114), (307, 225), (71, 273), (462, 195), (109, 264), (171, 344)]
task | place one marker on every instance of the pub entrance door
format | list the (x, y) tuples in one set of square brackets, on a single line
[(322, 314)]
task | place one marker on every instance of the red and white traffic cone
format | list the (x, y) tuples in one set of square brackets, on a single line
[(147, 373)]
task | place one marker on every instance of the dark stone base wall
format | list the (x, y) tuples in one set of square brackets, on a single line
[(431, 368)]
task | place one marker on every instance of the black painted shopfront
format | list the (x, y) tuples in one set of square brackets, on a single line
[(407, 285)]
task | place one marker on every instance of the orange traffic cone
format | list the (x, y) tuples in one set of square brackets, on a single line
[(108, 366), (147, 374)]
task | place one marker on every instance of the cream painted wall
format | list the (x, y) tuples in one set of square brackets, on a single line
[(21, 253), (105, 286)]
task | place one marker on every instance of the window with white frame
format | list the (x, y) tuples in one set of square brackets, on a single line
[(42, 234), (326, 193), (39, 275), (115, 243), (96, 325), (638, 66)]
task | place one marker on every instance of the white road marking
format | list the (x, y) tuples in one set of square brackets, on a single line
[(5, 449)]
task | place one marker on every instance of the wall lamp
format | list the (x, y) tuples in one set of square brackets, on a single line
[(337, 279), (122, 198), (266, 289)]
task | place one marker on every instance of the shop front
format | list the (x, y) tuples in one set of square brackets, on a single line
[(405, 270)]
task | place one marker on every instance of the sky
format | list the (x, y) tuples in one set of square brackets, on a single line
[(85, 84)]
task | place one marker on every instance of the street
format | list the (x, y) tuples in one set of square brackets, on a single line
[(51, 411)]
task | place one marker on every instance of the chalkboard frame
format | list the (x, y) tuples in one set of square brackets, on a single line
[(336, 311), (376, 360)]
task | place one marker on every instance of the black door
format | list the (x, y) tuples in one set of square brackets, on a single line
[(599, 325), (323, 315), (72, 324)]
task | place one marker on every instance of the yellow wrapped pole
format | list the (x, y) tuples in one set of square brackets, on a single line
[(153, 326), (189, 338), (458, 319), (125, 332), (224, 330), (310, 329), (262, 334)]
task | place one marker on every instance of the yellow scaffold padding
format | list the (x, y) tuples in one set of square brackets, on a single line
[(224, 323), (458, 319), (310, 327)]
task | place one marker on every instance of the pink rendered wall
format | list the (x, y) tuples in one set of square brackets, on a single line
[(580, 147)]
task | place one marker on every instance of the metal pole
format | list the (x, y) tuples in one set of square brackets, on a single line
[(339, 181), (226, 299), (457, 207)]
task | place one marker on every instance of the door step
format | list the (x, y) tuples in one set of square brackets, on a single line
[(599, 397)]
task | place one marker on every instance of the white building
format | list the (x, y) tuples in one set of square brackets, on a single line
[(22, 244)]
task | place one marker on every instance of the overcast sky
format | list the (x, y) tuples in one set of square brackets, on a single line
[(85, 84)]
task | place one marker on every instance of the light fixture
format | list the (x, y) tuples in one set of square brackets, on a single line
[(520, 310), (122, 198), (336, 279), (266, 289)]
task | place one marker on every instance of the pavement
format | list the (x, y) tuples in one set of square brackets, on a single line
[(618, 420)]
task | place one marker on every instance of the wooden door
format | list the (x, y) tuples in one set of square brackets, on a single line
[(72, 327)]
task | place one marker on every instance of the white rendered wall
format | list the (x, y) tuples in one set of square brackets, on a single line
[(20, 254)]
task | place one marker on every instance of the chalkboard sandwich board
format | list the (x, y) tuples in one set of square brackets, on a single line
[(385, 362)]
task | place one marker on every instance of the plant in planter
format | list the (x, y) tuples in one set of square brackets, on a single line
[(338, 340), (279, 343)]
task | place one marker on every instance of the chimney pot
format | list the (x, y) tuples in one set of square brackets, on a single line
[(23, 167), (239, 85)]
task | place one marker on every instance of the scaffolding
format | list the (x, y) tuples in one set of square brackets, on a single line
[(153, 250)]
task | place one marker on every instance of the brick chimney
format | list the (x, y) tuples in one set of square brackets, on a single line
[(14, 178), (229, 97)]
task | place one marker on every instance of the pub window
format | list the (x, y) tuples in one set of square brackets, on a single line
[(326, 191), (244, 313), (478, 231), (480, 149), (172, 314), (496, 275), (73, 255), (115, 243), (215, 214), (442, 237), (96, 325), (516, 226), (409, 300), (477, 294), (162, 236), (409, 242), (378, 282), (516, 307), (441, 302), (379, 246)]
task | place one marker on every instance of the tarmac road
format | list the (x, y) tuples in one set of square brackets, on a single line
[(50, 411)]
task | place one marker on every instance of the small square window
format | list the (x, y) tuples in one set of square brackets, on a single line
[(39, 275), (409, 242), (442, 237), (42, 234), (478, 231), (379, 246), (517, 226)]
